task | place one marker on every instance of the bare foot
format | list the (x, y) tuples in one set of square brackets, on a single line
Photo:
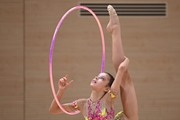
[(113, 21)]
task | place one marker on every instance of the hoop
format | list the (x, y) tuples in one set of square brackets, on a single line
[(52, 48)]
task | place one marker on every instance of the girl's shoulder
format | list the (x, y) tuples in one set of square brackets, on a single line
[(110, 96), (81, 100), (79, 103)]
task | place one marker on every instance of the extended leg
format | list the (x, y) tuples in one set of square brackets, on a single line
[(128, 95), (114, 28)]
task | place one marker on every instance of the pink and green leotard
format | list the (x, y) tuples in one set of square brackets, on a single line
[(101, 109)]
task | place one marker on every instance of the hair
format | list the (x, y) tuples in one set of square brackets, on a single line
[(111, 80)]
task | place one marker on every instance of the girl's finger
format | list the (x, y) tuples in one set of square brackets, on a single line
[(66, 76), (69, 83), (61, 83)]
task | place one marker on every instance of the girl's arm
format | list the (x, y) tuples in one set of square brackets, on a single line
[(54, 108), (120, 72)]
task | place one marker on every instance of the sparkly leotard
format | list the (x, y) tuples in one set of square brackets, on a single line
[(101, 109)]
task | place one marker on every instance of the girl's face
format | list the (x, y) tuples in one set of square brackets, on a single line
[(100, 82)]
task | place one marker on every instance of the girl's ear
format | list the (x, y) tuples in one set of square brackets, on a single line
[(106, 89)]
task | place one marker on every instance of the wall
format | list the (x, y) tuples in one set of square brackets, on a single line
[(26, 29), (11, 60)]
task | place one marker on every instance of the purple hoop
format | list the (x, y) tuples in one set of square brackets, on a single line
[(52, 48)]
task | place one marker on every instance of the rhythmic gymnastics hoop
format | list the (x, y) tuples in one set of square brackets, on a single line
[(52, 48)]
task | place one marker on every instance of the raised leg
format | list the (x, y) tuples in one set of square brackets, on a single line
[(127, 91), (114, 28)]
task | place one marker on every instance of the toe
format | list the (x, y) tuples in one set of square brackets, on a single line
[(111, 10)]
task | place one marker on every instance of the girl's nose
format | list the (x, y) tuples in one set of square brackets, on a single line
[(96, 77)]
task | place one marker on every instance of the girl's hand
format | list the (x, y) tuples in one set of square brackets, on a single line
[(63, 84)]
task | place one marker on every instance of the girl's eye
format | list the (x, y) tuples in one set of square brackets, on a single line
[(101, 78)]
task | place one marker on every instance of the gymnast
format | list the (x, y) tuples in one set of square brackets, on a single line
[(100, 104)]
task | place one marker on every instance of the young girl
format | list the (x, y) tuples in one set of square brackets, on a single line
[(99, 106)]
